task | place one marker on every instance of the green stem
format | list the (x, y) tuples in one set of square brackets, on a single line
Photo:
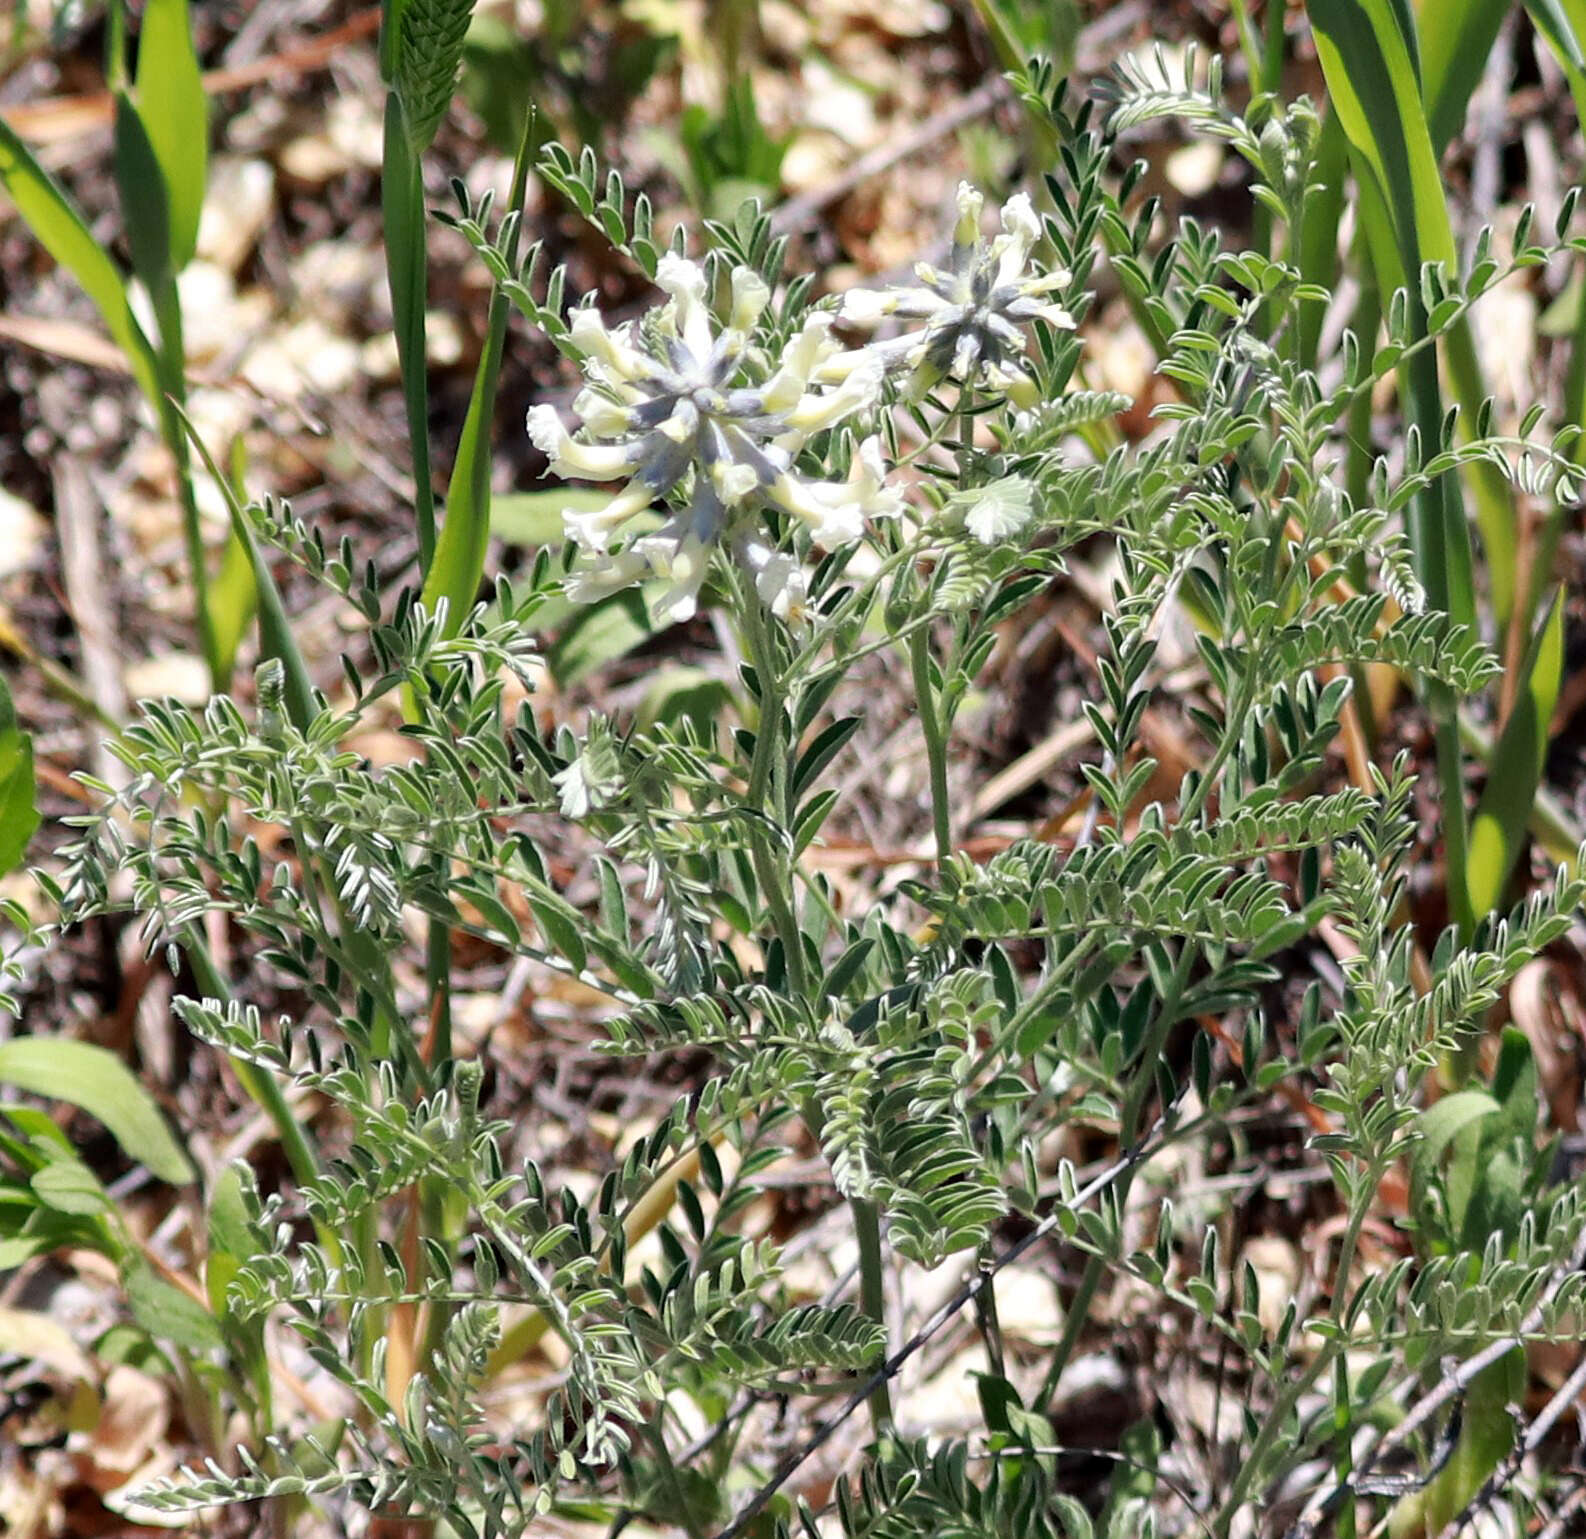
[(173, 381), (1277, 1417), (1343, 1431), (768, 796), (684, 1512), (872, 1295), (1272, 1423), (1140, 1087), (1451, 779), (935, 743), (768, 789), (262, 1086), (1237, 707)]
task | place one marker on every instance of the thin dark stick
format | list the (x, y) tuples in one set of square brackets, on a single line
[(1451, 1386), (1493, 1486)]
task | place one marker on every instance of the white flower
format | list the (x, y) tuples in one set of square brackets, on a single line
[(836, 510), (974, 310), (778, 579), (664, 408)]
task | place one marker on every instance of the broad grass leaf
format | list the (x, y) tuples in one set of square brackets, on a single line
[(1497, 832), (459, 556), (1441, 1125), (602, 633), (145, 208), (1455, 37), (101, 1084), (1562, 24), (167, 1313), (19, 818), (407, 274), (69, 1186), (63, 232), (175, 112), (535, 518)]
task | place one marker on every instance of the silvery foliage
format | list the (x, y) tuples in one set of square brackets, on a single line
[(944, 1070)]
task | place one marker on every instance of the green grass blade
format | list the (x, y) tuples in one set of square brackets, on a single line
[(175, 112), (1373, 80), (19, 817), (459, 562), (460, 551), (1324, 210), (140, 185), (233, 595), (1497, 832), (1562, 24), (63, 232), (102, 1085), (1368, 54), (1456, 37), (407, 269), (275, 630)]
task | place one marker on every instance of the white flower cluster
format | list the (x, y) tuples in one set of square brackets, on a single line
[(973, 311), (663, 407)]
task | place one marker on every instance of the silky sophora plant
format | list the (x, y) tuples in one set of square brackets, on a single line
[(894, 473)]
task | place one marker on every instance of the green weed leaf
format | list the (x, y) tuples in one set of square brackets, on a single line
[(175, 113), (64, 233), (97, 1081), (19, 818)]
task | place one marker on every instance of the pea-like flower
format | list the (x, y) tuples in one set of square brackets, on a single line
[(664, 407), (973, 311)]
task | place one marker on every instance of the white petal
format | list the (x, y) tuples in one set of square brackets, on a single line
[(592, 528), (683, 422), (829, 508), (779, 581), (867, 477), (866, 307), (749, 298), (1019, 218), (857, 393), (575, 461), (733, 482), (970, 202), (605, 575), (1020, 231), (806, 349), (685, 282), (683, 563), (610, 351), (601, 415)]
